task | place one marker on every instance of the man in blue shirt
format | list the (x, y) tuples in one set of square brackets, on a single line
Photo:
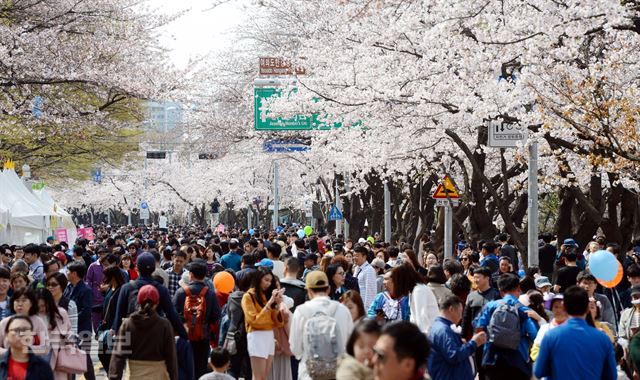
[(451, 358), (503, 363), (233, 259), (559, 357), (490, 260)]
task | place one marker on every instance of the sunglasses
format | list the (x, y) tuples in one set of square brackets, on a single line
[(464, 259)]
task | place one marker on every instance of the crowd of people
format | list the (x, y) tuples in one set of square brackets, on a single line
[(191, 303)]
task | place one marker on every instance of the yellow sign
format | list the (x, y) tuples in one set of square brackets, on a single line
[(9, 165), (446, 190)]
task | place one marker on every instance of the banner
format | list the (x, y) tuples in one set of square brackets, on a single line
[(86, 233), (60, 234)]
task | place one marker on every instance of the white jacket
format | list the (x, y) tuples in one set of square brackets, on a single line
[(424, 307)]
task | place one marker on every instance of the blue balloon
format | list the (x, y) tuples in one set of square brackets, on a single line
[(521, 273), (301, 235), (603, 265), (251, 231), (279, 229)]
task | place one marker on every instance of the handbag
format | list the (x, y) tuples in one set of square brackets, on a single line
[(71, 359), (230, 343)]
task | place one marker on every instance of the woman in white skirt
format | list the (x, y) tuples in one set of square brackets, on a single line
[(261, 317)]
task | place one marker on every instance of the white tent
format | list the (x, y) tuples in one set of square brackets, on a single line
[(4, 224), (29, 218), (62, 218)]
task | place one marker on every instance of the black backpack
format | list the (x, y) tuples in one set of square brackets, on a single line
[(132, 301)]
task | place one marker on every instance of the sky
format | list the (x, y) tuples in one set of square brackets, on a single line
[(201, 30)]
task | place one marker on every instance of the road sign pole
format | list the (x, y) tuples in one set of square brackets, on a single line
[(276, 194), (448, 226), (339, 206), (109, 216), (387, 213), (249, 218), (129, 218), (345, 222), (532, 217)]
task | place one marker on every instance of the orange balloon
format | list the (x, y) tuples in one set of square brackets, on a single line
[(224, 283), (616, 280)]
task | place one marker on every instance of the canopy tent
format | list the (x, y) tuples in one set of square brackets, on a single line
[(4, 223), (29, 219), (62, 218)]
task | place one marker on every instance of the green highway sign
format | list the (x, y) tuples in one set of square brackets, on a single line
[(297, 123)]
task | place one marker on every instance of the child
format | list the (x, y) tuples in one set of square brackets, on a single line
[(220, 361)]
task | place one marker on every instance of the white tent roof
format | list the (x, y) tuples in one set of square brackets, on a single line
[(24, 208)]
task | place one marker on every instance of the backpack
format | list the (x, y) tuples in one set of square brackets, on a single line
[(322, 344), (504, 326), (132, 301), (195, 313)]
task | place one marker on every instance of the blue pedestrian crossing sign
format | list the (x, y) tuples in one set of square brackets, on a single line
[(334, 213)]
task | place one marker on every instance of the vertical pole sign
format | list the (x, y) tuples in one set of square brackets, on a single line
[(510, 135), (447, 196)]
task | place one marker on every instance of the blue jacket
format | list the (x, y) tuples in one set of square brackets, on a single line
[(37, 369), (82, 295), (528, 332), (575, 350), (231, 260), (449, 357), (491, 261), (165, 305)]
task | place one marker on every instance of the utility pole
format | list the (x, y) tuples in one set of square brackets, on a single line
[(276, 194), (345, 223), (532, 215), (387, 213), (448, 226)]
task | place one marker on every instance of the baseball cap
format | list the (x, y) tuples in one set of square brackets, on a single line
[(265, 263), (60, 256), (378, 263), (570, 242), (317, 279), (198, 268), (146, 263), (202, 243), (635, 289), (148, 293), (542, 281), (152, 243), (548, 303), (338, 247)]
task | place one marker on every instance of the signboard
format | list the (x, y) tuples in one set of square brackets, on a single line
[(506, 135), (446, 190), (60, 234), (271, 66), (96, 175), (445, 202), (262, 121), (284, 146), (334, 213), (86, 233), (144, 211)]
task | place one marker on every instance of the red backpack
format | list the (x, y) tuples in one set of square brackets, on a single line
[(195, 313)]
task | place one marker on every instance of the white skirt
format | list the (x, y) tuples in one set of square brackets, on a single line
[(261, 344)]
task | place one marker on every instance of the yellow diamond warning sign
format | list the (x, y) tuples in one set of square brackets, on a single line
[(446, 190)]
